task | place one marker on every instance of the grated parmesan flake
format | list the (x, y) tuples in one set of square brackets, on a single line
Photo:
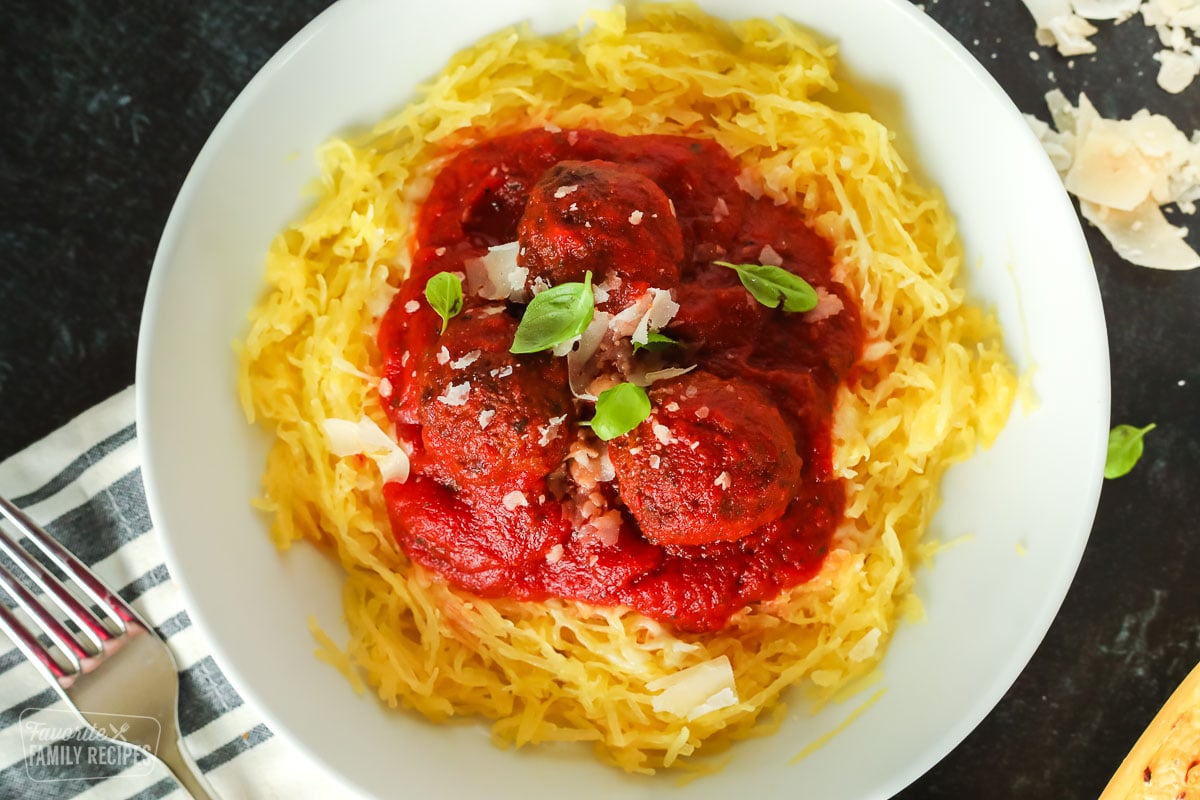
[(514, 500), (455, 394), (770, 256), (662, 433), (466, 361), (550, 431)]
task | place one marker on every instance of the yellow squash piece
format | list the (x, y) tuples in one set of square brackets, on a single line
[(1165, 762)]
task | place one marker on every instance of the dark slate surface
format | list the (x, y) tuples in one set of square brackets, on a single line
[(106, 105)]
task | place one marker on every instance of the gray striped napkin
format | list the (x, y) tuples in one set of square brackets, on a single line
[(83, 483)]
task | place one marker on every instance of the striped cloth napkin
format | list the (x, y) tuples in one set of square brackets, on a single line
[(83, 484)]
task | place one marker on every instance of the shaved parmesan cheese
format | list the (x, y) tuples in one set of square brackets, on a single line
[(602, 291), (366, 438), (497, 276), (720, 210), (579, 358), (385, 388), (344, 437), (1070, 34), (693, 692), (625, 322), (455, 394), (659, 375), (607, 471), (550, 432), (1119, 10), (662, 310), (514, 500), (485, 417), (604, 529), (1123, 171), (1176, 70), (650, 312), (1065, 23), (1109, 169), (443, 356), (770, 257), (749, 184), (412, 306), (1143, 236), (1059, 146), (723, 480), (636, 218), (466, 361), (662, 433), (1044, 11), (828, 305), (555, 554), (866, 646), (563, 191), (1059, 25)]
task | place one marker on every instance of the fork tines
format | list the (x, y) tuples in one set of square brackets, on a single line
[(88, 626)]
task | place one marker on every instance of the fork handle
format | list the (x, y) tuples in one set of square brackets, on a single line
[(172, 754)]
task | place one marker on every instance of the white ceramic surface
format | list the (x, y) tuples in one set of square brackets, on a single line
[(988, 605)]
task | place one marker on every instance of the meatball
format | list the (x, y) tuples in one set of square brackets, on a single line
[(714, 462), (490, 418), (603, 217)]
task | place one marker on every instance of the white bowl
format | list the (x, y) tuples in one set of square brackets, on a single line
[(1029, 502)]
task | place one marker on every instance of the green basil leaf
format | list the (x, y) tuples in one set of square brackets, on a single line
[(557, 315), (444, 293), (655, 339), (772, 285), (619, 410), (1124, 449)]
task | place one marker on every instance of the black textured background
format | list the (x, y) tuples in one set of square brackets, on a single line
[(105, 106)]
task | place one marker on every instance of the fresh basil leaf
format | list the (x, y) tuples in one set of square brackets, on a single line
[(1124, 449), (444, 293), (655, 339), (619, 410), (556, 315), (772, 285)]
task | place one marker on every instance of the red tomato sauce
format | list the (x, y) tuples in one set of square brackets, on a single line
[(724, 496)]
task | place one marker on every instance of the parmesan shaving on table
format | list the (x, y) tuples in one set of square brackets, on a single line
[(1124, 172), (1067, 25)]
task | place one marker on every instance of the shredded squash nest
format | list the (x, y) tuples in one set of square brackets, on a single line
[(937, 384)]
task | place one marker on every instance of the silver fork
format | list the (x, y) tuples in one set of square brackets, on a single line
[(112, 663)]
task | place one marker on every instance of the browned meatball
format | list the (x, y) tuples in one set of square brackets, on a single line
[(599, 216), (488, 417), (713, 462)]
